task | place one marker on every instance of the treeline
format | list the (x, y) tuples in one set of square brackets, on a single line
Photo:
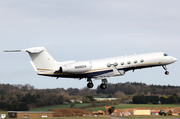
[(128, 88), (131, 88), (27, 88), (25, 97), (142, 99), (14, 106)]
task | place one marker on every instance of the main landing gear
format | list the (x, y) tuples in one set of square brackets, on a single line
[(102, 86), (165, 68), (90, 84)]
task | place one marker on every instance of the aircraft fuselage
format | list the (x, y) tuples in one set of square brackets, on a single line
[(45, 65)]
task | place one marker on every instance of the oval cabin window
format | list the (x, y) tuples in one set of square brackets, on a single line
[(129, 62), (142, 61), (135, 61)]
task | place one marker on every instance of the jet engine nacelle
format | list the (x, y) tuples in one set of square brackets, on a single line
[(77, 67)]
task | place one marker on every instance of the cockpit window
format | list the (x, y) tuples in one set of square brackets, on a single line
[(165, 54)]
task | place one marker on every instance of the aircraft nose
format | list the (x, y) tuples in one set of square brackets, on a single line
[(174, 59)]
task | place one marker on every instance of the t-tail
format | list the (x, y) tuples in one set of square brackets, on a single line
[(41, 59)]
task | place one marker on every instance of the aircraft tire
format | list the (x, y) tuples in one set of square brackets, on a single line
[(90, 85), (103, 86), (166, 72)]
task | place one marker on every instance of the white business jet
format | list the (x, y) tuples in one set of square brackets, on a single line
[(45, 65)]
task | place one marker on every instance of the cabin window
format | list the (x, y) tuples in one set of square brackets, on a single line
[(115, 64), (129, 62), (165, 54), (122, 63), (142, 61), (135, 61)]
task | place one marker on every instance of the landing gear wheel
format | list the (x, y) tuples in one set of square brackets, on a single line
[(166, 72), (90, 85), (103, 86)]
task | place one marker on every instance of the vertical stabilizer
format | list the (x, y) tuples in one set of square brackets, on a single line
[(42, 60)]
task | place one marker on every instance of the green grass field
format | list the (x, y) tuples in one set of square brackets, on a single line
[(123, 106), (78, 105)]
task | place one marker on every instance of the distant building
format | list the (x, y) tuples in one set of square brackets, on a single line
[(105, 99), (79, 100), (74, 100), (30, 114)]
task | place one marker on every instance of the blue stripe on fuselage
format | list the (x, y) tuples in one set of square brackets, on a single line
[(92, 74)]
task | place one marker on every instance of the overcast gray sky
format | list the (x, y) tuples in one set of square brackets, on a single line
[(86, 30)]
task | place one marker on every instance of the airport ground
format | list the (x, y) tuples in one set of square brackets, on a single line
[(122, 106), (110, 117)]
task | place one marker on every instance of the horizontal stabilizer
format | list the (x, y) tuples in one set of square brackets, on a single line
[(30, 50), (12, 51)]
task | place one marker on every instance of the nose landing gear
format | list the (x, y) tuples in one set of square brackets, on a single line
[(165, 68), (166, 72)]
